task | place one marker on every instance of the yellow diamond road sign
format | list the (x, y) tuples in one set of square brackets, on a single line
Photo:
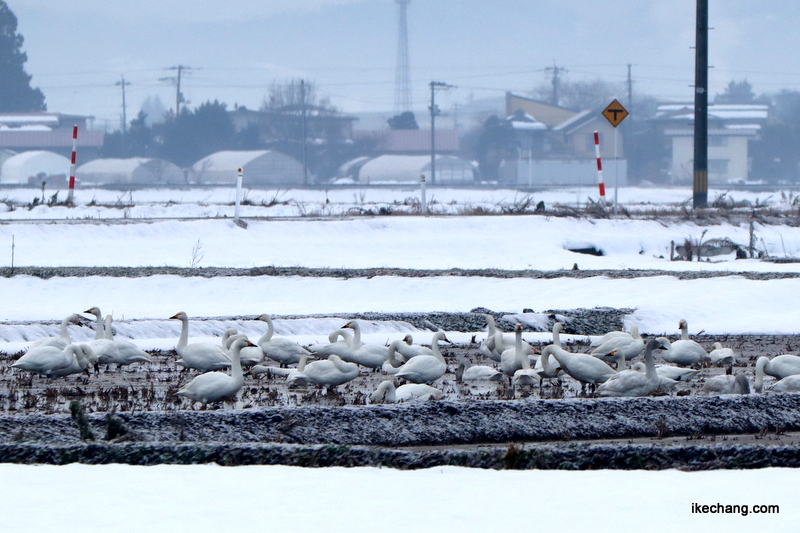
[(615, 113)]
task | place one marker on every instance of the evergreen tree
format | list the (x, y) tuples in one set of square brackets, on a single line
[(403, 121), (16, 94)]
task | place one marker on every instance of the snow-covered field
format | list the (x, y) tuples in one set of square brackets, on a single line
[(290, 499)]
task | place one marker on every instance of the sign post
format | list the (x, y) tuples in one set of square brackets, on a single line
[(615, 113)]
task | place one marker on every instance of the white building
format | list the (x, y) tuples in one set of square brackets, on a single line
[(259, 167), (136, 170), (33, 167), (450, 170), (731, 127)]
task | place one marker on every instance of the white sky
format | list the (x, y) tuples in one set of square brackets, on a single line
[(78, 49)]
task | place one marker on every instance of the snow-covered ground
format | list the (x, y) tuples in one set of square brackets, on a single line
[(208, 498), (211, 499)]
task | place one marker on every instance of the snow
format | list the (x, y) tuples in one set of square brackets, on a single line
[(278, 498), (76, 497)]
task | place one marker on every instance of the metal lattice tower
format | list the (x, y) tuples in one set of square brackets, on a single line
[(402, 80)]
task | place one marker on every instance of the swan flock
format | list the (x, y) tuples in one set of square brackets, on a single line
[(216, 372)]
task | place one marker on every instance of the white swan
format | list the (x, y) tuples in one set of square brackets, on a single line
[(682, 352), (368, 355), (787, 384), (199, 356), (630, 345), (275, 371), (525, 375), (613, 334), (481, 373), (64, 339), (581, 366), (80, 363), (45, 360), (217, 386), (280, 349), (779, 366), (426, 368), (125, 352), (334, 346), (392, 365), (631, 382), (665, 383), (387, 392), (327, 373), (250, 355), (104, 351), (408, 349), (726, 384), (489, 346), (721, 356), (511, 359)]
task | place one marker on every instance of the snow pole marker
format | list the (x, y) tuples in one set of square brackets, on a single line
[(600, 183), (71, 192)]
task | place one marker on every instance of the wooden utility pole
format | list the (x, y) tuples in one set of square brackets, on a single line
[(700, 182)]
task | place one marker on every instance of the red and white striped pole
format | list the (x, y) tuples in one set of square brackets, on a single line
[(71, 192), (600, 184)]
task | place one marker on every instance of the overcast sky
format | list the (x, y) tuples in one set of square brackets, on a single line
[(78, 49)]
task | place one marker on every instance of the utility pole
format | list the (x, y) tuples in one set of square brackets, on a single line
[(435, 111), (123, 83), (303, 104), (700, 182), (177, 81), (629, 127), (556, 70)]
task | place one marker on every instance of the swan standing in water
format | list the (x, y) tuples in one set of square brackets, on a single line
[(493, 346), (282, 350), (726, 384), (199, 356), (369, 355), (631, 382), (426, 368), (64, 339), (217, 386), (581, 366), (779, 366), (328, 373), (250, 355), (45, 360), (387, 392), (104, 351)]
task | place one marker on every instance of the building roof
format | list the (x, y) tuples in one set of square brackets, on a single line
[(16, 138), (725, 112), (229, 160)]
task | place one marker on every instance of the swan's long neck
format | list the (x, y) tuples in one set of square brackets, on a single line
[(270, 330), (64, 332), (760, 364), (98, 326), (490, 327), (183, 340), (620, 356), (545, 359), (435, 348), (356, 344), (392, 350), (108, 334), (236, 362), (684, 331), (649, 362), (388, 392), (301, 365), (521, 357), (556, 331)]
